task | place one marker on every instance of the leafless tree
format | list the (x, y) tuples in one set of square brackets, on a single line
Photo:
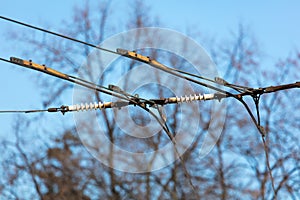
[(59, 167)]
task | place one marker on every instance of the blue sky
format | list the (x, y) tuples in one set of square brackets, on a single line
[(275, 24)]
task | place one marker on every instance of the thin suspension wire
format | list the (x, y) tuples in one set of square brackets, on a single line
[(268, 166), (238, 88), (57, 34), (170, 135), (21, 111), (221, 82), (256, 101), (193, 75)]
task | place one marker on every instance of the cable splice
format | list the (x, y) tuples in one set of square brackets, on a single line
[(42, 68), (154, 63)]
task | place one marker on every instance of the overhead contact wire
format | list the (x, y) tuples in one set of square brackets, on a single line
[(110, 51), (71, 79)]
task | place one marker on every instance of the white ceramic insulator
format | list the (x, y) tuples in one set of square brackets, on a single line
[(194, 98), (82, 107), (208, 96)]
